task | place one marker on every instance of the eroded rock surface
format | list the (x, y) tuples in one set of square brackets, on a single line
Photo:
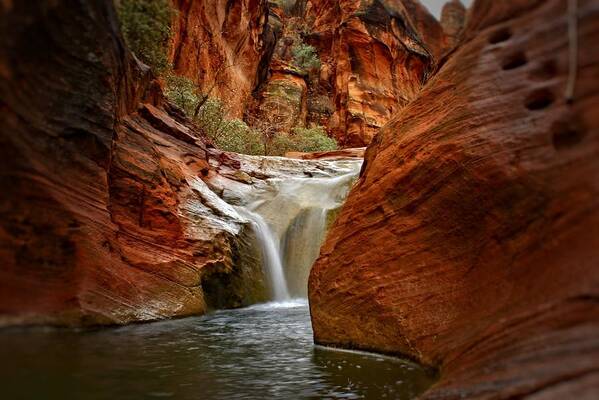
[(376, 56), (224, 46), (471, 241), (111, 208)]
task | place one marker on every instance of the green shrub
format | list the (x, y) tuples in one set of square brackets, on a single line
[(239, 138), (235, 135), (281, 144), (303, 140), (146, 25), (182, 92), (305, 57), (312, 139), (226, 133)]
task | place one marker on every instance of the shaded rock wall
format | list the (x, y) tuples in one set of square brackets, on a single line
[(471, 242), (105, 216)]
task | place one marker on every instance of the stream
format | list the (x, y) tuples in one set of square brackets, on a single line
[(264, 351), (259, 352)]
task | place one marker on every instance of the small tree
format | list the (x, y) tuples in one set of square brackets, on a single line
[(181, 91), (305, 57)]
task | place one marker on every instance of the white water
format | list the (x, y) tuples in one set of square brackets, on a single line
[(271, 256), (289, 217)]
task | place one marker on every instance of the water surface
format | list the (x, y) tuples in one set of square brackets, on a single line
[(260, 352)]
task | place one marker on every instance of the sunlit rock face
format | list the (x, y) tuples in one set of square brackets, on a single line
[(375, 56), (224, 46), (375, 59), (471, 241)]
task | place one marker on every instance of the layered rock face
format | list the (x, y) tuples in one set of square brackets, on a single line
[(223, 46), (471, 241), (105, 213), (375, 55), (375, 60)]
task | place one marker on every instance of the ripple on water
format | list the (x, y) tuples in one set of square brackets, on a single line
[(263, 351)]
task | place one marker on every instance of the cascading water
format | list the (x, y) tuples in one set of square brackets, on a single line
[(271, 256), (261, 351), (290, 216)]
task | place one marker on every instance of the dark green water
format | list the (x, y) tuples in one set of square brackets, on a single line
[(260, 352)]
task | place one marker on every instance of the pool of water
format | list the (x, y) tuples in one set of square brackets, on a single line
[(260, 352)]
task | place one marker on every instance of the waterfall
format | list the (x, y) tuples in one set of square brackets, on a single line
[(271, 256), (290, 216)]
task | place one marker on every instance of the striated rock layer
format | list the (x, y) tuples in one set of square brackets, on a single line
[(376, 56), (224, 46), (471, 241), (110, 208), (104, 213)]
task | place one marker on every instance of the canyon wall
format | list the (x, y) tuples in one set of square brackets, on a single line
[(471, 241), (224, 46), (106, 210), (374, 56), (374, 59)]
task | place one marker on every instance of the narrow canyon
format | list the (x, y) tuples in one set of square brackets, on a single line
[(315, 198)]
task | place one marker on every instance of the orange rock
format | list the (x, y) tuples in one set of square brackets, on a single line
[(223, 45), (374, 55), (453, 19), (104, 213), (376, 58), (283, 100), (471, 241)]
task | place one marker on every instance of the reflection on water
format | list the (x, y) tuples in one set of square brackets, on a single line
[(260, 352)]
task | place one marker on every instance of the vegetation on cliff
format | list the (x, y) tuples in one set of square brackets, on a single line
[(305, 57), (146, 25)]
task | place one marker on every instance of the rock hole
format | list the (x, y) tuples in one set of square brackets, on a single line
[(514, 61), (539, 99), (500, 35), (566, 134)]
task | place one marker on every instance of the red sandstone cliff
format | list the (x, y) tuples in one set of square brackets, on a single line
[(471, 242), (105, 211), (375, 55), (224, 46)]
